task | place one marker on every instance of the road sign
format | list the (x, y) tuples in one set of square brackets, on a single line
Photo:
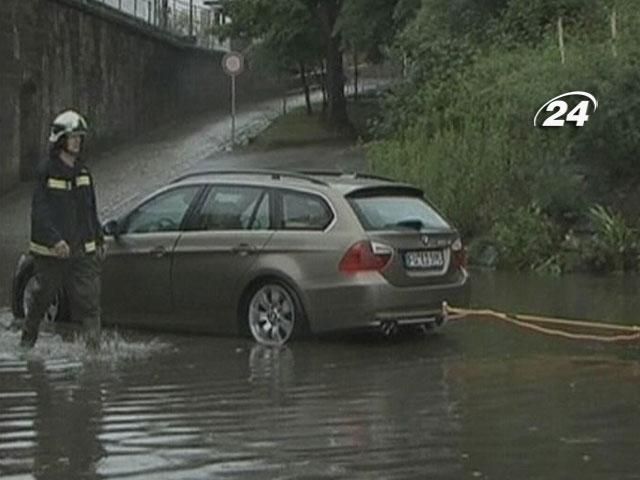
[(233, 63)]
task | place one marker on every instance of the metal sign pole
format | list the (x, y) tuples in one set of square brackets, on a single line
[(233, 110), (233, 65), (190, 18)]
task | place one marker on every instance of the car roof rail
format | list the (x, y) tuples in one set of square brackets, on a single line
[(375, 177), (274, 174), (341, 173)]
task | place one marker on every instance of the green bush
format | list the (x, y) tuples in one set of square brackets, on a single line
[(527, 22), (460, 125), (614, 246), (608, 145), (474, 149), (526, 239), (462, 172)]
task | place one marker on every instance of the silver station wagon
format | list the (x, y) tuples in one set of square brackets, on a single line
[(276, 255)]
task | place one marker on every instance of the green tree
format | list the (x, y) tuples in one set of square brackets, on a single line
[(327, 13), (298, 33), (367, 28), (286, 34)]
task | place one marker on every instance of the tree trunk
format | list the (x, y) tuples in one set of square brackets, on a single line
[(337, 108), (305, 87), (323, 78), (165, 13), (355, 74)]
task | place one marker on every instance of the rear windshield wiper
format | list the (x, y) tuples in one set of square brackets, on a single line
[(413, 224)]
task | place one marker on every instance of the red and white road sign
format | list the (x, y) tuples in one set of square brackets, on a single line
[(233, 63)]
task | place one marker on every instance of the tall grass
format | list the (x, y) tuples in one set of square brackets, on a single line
[(459, 170)]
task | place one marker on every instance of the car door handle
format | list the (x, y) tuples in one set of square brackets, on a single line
[(158, 252), (243, 249)]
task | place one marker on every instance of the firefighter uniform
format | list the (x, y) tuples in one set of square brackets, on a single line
[(64, 208)]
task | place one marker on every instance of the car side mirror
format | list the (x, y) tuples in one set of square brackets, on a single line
[(111, 228)]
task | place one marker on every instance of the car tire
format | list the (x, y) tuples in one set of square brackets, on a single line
[(272, 313), (58, 311)]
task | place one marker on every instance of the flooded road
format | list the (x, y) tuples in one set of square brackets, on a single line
[(481, 400)]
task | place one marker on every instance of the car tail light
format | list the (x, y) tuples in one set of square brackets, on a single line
[(459, 254), (365, 257)]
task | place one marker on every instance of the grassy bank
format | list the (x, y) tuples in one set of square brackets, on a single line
[(298, 129)]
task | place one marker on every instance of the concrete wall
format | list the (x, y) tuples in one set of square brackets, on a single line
[(124, 75)]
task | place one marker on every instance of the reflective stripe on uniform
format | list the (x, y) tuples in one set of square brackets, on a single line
[(58, 184), (41, 249), (34, 247), (83, 181)]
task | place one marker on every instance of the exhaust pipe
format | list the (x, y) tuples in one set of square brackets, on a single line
[(444, 318), (389, 328)]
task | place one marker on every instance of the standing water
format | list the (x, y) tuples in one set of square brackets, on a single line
[(480, 400)]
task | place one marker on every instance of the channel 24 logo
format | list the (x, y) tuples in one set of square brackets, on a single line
[(563, 112)]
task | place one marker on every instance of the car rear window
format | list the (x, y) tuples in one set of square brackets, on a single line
[(396, 212)]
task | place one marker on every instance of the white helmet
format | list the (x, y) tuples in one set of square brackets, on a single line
[(67, 123)]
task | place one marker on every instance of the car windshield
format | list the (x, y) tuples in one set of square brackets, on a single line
[(392, 212)]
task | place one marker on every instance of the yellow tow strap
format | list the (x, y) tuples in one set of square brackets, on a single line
[(534, 323)]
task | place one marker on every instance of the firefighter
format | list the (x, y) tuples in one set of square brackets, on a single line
[(66, 236)]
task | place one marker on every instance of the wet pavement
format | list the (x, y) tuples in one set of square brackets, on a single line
[(479, 400)]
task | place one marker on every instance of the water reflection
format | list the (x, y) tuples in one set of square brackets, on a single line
[(68, 412), (273, 369), (550, 415), (300, 411), (49, 420), (613, 299), (359, 404)]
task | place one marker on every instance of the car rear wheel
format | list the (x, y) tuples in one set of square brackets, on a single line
[(273, 313), (53, 313)]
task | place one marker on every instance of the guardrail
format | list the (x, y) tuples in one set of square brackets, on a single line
[(186, 19)]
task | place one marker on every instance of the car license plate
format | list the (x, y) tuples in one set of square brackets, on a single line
[(424, 259)]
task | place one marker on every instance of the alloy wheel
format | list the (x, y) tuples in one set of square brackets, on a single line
[(272, 315)]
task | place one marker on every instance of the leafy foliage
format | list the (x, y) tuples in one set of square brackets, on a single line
[(367, 26), (460, 124), (526, 238), (286, 29), (614, 245)]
